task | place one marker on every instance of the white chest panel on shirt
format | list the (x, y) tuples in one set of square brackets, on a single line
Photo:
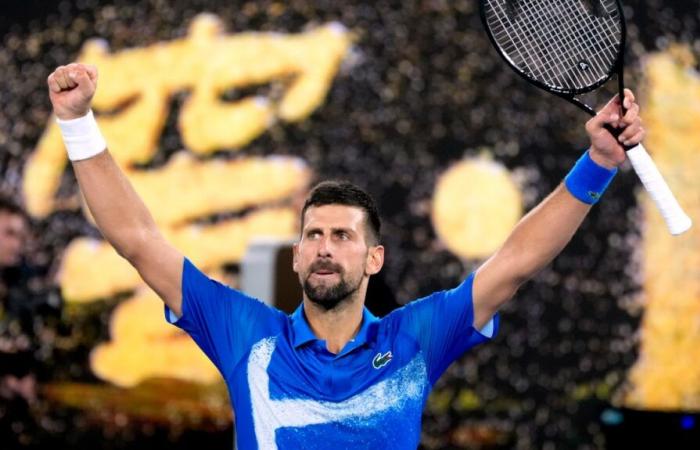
[(388, 395)]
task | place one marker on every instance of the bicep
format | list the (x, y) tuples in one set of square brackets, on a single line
[(160, 265)]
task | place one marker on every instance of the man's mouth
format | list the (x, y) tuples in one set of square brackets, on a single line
[(324, 272), (324, 269)]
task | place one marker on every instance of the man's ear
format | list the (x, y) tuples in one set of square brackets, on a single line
[(375, 259), (295, 257)]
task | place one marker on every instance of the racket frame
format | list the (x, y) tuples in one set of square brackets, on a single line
[(569, 94)]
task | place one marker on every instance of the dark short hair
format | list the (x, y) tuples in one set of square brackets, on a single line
[(9, 206), (336, 192)]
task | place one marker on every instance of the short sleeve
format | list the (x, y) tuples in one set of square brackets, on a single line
[(223, 322), (443, 325)]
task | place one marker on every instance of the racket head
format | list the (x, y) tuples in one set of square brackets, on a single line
[(566, 47)]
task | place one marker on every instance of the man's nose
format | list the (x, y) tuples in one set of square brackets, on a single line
[(324, 247)]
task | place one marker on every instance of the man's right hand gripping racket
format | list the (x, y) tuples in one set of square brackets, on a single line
[(570, 47)]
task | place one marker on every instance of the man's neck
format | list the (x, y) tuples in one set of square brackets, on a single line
[(336, 326)]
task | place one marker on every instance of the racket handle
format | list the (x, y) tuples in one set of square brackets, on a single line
[(676, 219)]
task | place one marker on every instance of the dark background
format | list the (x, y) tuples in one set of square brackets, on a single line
[(425, 90)]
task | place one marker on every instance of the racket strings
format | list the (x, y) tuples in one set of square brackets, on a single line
[(518, 42), (543, 26), (570, 21), (592, 42), (602, 40), (549, 40), (562, 43), (558, 42)]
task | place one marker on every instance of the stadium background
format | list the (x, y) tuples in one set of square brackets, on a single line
[(419, 91)]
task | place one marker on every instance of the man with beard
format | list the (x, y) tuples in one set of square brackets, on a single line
[(331, 375)]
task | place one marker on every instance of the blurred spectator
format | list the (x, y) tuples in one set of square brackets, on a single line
[(26, 308)]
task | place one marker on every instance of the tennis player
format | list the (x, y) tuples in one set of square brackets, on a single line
[(331, 375)]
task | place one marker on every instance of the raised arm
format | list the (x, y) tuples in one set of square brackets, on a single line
[(544, 232), (119, 213)]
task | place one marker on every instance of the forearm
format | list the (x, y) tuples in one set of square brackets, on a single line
[(543, 233), (117, 209), (535, 241), (539, 236)]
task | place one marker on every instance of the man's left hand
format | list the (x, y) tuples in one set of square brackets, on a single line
[(606, 150)]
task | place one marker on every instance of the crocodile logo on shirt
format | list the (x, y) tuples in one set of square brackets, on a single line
[(380, 360)]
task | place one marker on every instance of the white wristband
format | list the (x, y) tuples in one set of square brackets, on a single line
[(82, 137)]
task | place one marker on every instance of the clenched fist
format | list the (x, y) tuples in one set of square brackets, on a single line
[(71, 89)]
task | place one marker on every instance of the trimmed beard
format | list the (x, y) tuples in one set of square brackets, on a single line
[(329, 297)]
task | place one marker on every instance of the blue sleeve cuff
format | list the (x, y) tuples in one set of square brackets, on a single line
[(488, 329), (170, 316), (587, 181)]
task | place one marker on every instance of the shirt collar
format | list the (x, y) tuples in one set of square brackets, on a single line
[(303, 334)]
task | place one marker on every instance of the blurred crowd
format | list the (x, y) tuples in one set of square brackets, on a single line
[(29, 320)]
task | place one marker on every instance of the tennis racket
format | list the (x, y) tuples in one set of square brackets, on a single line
[(570, 47)]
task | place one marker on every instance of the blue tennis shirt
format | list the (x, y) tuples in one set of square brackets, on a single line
[(289, 392)]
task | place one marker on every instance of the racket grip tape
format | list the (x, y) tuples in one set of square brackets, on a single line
[(676, 219)]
